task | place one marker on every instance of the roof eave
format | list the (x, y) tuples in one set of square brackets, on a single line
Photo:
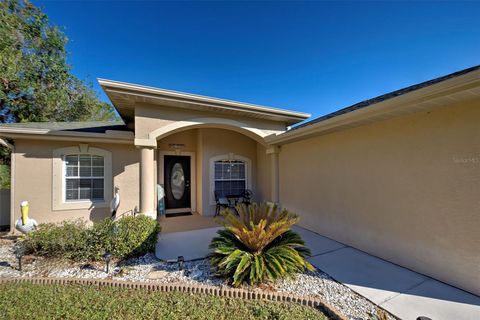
[(403, 104), (110, 86), (43, 134)]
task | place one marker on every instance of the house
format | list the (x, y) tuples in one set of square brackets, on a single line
[(396, 176)]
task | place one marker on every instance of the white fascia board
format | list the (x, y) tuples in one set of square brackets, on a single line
[(44, 134), (135, 89)]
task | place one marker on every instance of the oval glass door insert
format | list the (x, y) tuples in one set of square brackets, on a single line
[(177, 181)]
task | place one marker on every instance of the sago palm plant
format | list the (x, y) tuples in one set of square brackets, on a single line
[(258, 245)]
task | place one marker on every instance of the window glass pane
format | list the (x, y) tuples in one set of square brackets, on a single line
[(72, 183), (97, 171), (218, 170), (71, 160), (221, 188), (85, 160), (97, 183), (72, 171), (241, 171), (230, 188), (97, 194), (85, 183), (85, 171), (85, 194), (97, 161), (177, 181), (235, 170), (71, 195), (225, 171)]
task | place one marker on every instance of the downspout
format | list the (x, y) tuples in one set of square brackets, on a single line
[(10, 146)]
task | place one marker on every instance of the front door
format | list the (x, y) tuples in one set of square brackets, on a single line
[(177, 182)]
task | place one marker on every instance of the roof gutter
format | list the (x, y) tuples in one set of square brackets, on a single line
[(43, 134)]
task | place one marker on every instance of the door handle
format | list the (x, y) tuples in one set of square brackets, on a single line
[(187, 184)]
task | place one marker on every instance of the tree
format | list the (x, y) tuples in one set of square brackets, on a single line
[(4, 177), (36, 83)]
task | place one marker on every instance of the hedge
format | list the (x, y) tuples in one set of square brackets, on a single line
[(127, 237)]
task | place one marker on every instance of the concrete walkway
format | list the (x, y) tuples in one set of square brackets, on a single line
[(189, 244), (404, 293)]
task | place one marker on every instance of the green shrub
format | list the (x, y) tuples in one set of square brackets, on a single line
[(258, 245), (63, 239), (135, 236), (4, 176), (127, 237), (100, 239)]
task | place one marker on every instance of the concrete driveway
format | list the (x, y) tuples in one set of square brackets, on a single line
[(404, 293)]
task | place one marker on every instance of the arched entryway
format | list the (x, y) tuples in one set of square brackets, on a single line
[(194, 162)]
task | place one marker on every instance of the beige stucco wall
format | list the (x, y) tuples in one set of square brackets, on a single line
[(199, 171), (33, 180), (263, 190), (187, 138), (406, 190), (149, 118)]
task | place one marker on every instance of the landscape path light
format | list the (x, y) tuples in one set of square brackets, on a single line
[(107, 257)]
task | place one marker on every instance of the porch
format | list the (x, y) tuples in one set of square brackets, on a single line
[(190, 169), (187, 223)]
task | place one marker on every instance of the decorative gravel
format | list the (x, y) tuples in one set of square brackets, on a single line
[(315, 283)]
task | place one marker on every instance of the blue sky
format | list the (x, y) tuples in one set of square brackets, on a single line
[(315, 57)]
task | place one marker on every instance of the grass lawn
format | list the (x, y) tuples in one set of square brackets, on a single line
[(31, 301)]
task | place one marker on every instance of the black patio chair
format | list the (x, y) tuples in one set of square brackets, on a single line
[(220, 202), (247, 196)]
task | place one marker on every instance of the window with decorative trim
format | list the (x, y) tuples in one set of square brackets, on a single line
[(84, 177)]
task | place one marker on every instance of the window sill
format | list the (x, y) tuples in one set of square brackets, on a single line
[(77, 205)]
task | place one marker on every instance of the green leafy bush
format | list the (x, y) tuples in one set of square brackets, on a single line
[(258, 245), (127, 237), (4, 176), (135, 236), (65, 239)]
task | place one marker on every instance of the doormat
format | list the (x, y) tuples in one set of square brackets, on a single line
[(178, 214)]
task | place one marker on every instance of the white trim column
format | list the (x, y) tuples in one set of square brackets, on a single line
[(147, 182), (274, 164)]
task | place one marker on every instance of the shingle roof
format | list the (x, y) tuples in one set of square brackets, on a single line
[(386, 96), (79, 126)]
